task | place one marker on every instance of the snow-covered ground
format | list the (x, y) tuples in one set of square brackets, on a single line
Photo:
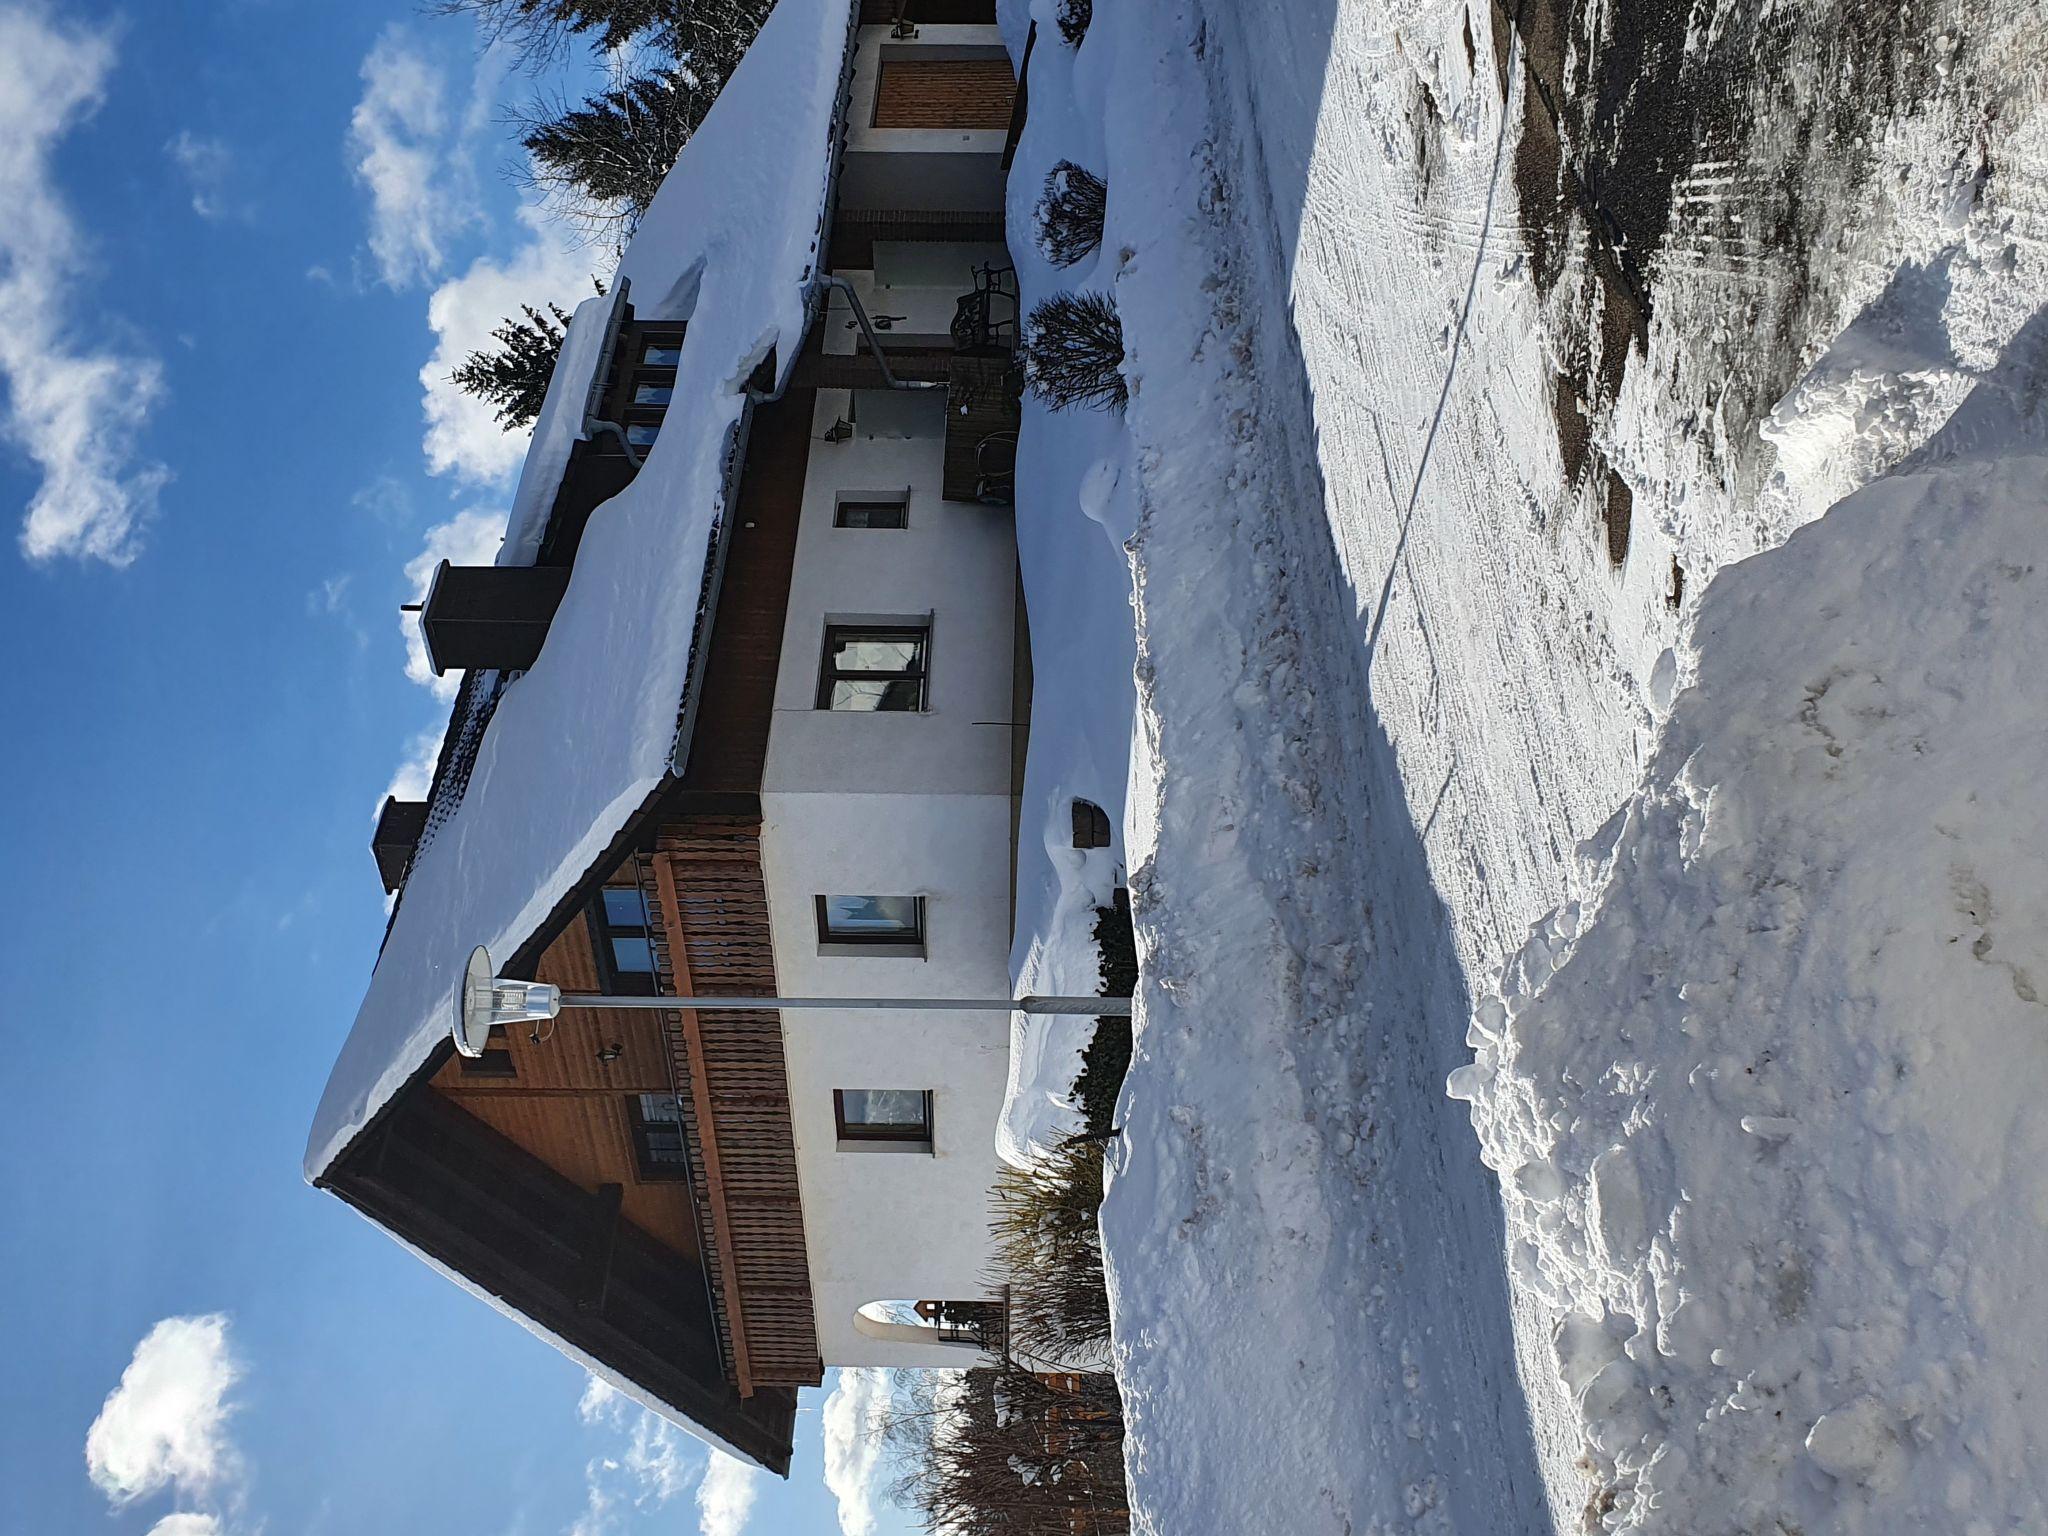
[(1431, 454), (1767, 1104)]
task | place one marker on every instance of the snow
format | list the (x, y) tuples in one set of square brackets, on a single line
[(1766, 1104), (579, 742), (560, 426), (1390, 680)]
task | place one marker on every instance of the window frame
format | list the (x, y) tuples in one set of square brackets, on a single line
[(649, 1169), (833, 941), (621, 982), (495, 1065), (899, 503), (829, 674), (864, 1136)]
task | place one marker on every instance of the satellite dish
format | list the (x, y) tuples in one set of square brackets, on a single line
[(484, 1002)]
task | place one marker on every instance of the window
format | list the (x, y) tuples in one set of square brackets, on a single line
[(869, 668), (646, 392), (496, 1061), (1091, 825), (659, 1147), (871, 514), (893, 1117), (661, 354), (641, 434), (625, 953), (883, 922)]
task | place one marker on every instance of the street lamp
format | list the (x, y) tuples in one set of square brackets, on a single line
[(485, 1001)]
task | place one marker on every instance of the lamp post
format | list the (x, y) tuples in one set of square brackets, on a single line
[(485, 1000)]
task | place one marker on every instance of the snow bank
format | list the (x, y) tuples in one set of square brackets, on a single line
[(1771, 1107), (1076, 505), (579, 742)]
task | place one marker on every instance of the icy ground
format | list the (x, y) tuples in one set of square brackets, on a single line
[(1466, 344)]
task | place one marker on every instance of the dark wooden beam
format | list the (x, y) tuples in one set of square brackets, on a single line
[(604, 1244)]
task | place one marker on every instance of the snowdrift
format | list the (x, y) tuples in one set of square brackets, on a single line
[(1768, 1107)]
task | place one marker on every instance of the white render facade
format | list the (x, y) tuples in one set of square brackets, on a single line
[(904, 804), (899, 803)]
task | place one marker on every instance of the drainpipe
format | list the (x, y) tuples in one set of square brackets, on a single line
[(828, 280), (592, 426), (592, 422)]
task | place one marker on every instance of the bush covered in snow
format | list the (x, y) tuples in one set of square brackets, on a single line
[(1048, 1250), (1070, 212), (1074, 351), (1074, 16), (1108, 1054)]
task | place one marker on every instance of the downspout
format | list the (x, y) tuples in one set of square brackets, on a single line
[(826, 280), (592, 426)]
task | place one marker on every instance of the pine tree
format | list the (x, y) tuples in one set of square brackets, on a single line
[(606, 158), (541, 29), (611, 153), (514, 378)]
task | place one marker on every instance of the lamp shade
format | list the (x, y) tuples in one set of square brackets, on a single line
[(484, 1002)]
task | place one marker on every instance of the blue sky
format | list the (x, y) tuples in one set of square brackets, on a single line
[(231, 238)]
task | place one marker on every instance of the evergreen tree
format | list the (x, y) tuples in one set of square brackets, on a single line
[(607, 156), (514, 377), (540, 29)]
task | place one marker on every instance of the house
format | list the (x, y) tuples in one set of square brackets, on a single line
[(742, 711)]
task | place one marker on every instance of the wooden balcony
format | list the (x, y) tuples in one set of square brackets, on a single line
[(983, 394), (703, 882)]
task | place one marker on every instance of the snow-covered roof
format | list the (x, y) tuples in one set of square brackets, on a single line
[(560, 425), (580, 742)]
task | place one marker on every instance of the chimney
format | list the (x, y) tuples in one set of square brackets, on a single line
[(493, 616), (399, 826)]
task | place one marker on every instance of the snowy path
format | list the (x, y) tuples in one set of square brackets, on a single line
[(1289, 1156)]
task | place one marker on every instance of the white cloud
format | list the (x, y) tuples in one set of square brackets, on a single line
[(404, 147), (166, 1423), (186, 1523), (463, 436), (600, 1402), (385, 498), (204, 164), (415, 775), (725, 1496), (330, 598), (654, 1465), (468, 538), (76, 413), (853, 1445)]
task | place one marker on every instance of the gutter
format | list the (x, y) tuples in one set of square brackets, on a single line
[(593, 423)]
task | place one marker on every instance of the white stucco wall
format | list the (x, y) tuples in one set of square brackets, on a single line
[(895, 804)]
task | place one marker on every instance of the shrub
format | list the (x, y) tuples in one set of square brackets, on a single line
[(1006, 1453), (1074, 351), (1108, 1056), (1070, 212), (1048, 1250), (1074, 16)]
